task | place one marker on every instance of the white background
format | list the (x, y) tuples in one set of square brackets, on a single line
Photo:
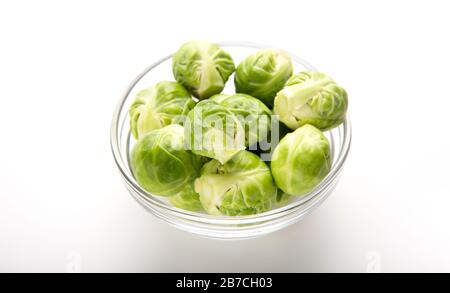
[(64, 65)]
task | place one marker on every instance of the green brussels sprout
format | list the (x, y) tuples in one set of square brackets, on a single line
[(311, 98), (203, 68), (263, 74), (161, 164), (167, 102), (253, 114), (213, 131), (187, 199), (301, 160), (242, 186)]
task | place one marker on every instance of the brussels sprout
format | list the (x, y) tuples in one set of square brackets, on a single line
[(187, 199), (161, 164), (311, 98), (301, 160), (242, 186), (203, 68), (253, 114), (162, 104), (213, 131), (263, 74)]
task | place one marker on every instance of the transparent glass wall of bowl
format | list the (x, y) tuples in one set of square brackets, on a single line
[(200, 223)]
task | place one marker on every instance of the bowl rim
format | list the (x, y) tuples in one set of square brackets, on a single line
[(147, 197)]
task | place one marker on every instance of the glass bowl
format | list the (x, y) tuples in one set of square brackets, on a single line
[(221, 227)]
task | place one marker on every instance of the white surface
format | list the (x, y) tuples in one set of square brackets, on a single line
[(64, 65)]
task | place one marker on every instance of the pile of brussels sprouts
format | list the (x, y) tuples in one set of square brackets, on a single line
[(205, 153)]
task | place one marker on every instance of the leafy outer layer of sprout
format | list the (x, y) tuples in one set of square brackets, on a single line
[(160, 105), (311, 98), (218, 98), (161, 164), (282, 198), (187, 199), (203, 68), (263, 74), (301, 160), (242, 186), (213, 131), (253, 114)]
